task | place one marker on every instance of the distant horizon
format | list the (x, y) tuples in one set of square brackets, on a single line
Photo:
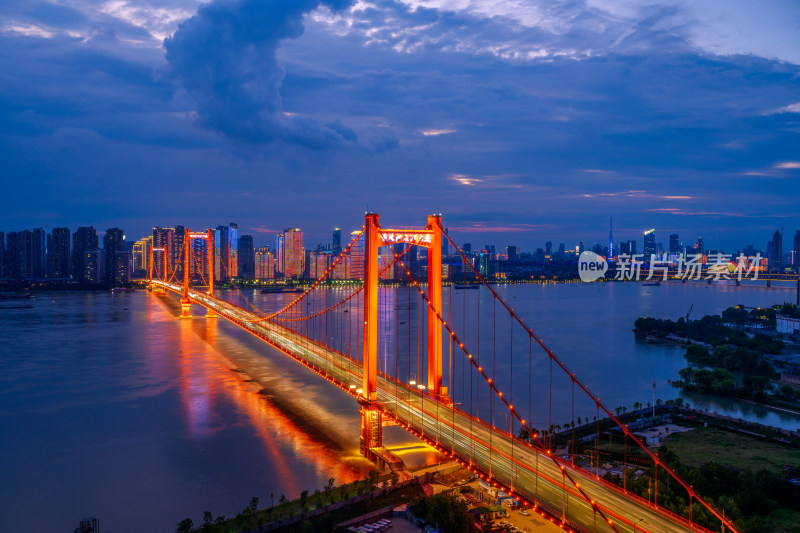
[(261, 238)]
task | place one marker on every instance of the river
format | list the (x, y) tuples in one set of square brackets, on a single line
[(111, 407)]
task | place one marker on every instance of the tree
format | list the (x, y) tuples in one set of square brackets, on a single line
[(303, 500), (451, 515), (282, 501), (328, 489), (185, 525), (637, 406), (208, 522), (579, 421)]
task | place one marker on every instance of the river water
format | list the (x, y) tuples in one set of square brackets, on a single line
[(111, 407)]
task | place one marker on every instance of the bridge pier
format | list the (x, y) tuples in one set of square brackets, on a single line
[(371, 429), (186, 308), (769, 283), (738, 282)]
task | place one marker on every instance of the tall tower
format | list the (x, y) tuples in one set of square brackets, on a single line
[(611, 238)]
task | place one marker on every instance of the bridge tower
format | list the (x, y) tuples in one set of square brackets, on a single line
[(186, 302), (371, 423), (435, 306), (210, 252), (150, 270), (374, 236)]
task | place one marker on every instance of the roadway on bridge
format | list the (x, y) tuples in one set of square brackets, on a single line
[(532, 474)]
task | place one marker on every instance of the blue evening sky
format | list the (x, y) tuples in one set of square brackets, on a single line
[(519, 120)]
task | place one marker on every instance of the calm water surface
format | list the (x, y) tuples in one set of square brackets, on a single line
[(111, 407)]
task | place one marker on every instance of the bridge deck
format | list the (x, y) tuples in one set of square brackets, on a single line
[(512, 463)]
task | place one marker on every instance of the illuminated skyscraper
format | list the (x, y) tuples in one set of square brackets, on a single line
[(611, 239), (264, 263), (198, 261), (319, 263), (226, 244), (176, 259), (294, 253), (357, 256), (280, 239), (336, 244), (163, 238), (141, 256), (649, 247)]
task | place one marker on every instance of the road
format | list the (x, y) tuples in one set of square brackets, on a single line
[(534, 475)]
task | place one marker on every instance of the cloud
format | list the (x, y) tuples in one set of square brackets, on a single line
[(224, 57), (463, 179), (788, 164), (791, 108), (436, 132)]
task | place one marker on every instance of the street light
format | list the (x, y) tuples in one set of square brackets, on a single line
[(634, 524)]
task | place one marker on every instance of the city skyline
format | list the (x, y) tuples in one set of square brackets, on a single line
[(511, 118)]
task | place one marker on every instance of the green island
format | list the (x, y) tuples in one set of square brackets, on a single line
[(733, 354)]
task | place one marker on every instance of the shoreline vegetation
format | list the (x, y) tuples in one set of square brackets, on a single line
[(731, 355)]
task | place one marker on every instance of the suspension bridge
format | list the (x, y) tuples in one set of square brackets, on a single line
[(475, 390)]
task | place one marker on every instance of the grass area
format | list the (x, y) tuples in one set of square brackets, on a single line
[(697, 446), (783, 520)]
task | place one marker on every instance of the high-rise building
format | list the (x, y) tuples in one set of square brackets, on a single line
[(318, 264), (357, 256), (548, 248), (122, 267), (2, 254), (699, 247), (177, 257), (264, 263), (25, 254), (776, 259), (233, 259), (467, 248), (113, 242), (58, 257), (83, 240), (611, 239), (649, 247), (336, 243), (674, 244), (512, 252), (795, 256), (94, 266), (279, 253), (247, 258), (38, 254), (141, 256), (163, 238), (294, 253), (198, 261)]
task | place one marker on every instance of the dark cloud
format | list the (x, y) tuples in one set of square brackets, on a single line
[(225, 59)]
